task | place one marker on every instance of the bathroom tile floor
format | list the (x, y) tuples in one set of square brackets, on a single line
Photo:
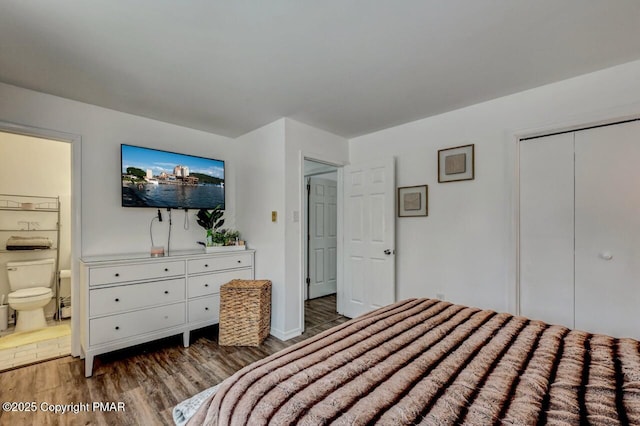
[(35, 352)]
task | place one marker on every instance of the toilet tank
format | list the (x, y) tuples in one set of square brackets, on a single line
[(29, 274)]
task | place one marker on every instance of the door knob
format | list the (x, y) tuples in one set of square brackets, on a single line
[(387, 252), (606, 256)]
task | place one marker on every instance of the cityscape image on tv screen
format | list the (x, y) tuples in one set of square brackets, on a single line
[(162, 179)]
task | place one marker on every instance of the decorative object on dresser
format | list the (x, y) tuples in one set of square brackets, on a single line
[(211, 221), (218, 239), (127, 300), (413, 201), (245, 312), (456, 164)]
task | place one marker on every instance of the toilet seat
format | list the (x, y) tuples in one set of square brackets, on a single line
[(30, 293)]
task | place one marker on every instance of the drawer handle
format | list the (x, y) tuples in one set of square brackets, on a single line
[(166, 269), (117, 327), (117, 300), (239, 261), (206, 285), (166, 292), (117, 274), (206, 265), (206, 308)]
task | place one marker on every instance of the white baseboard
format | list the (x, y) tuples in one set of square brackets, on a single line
[(285, 335)]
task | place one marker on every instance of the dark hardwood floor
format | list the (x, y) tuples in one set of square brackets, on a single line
[(149, 379)]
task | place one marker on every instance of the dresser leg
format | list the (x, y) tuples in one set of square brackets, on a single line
[(88, 365), (185, 339)]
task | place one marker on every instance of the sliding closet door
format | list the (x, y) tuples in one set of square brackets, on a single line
[(546, 229), (607, 221)]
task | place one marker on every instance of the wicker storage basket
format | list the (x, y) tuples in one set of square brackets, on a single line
[(245, 312)]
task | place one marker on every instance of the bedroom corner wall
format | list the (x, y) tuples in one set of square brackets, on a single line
[(260, 184), (320, 144), (270, 181), (465, 248)]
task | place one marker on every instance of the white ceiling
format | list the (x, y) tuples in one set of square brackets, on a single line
[(347, 66)]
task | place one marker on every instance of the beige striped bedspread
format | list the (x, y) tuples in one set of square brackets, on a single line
[(424, 361)]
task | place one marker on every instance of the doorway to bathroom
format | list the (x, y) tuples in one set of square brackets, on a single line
[(35, 235)]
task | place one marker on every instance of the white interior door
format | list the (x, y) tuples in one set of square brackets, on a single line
[(369, 237), (323, 227), (546, 229), (607, 246)]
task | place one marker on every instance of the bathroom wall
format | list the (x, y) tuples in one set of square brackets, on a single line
[(38, 167)]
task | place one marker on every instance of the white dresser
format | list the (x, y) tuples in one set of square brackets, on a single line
[(131, 299)]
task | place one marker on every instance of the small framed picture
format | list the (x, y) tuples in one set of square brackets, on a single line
[(455, 164), (413, 201)]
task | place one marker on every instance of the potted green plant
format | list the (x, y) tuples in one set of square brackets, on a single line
[(219, 237), (230, 237), (211, 221)]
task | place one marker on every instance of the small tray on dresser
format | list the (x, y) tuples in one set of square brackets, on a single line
[(217, 249)]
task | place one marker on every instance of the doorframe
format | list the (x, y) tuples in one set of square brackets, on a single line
[(580, 123), (76, 210), (319, 158)]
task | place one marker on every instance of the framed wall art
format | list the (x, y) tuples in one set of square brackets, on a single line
[(456, 164), (413, 201)]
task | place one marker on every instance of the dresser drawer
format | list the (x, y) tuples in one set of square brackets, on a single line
[(205, 309), (202, 285), (116, 327), (124, 273), (210, 264), (104, 301)]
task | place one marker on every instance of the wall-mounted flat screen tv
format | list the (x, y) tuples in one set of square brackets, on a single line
[(163, 179)]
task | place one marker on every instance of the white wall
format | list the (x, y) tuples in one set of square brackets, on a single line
[(260, 183), (465, 248), (36, 167), (302, 140), (106, 226), (271, 180)]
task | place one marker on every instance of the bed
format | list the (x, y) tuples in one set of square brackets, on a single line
[(432, 362)]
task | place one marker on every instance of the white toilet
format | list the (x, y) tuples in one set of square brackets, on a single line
[(30, 284)]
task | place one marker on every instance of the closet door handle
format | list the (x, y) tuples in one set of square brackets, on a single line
[(166, 292), (606, 255)]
